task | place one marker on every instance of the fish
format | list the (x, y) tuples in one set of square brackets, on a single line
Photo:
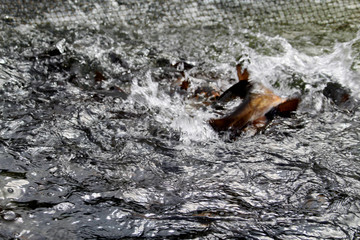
[(259, 106), (340, 96)]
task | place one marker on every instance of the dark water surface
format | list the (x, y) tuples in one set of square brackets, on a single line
[(98, 140)]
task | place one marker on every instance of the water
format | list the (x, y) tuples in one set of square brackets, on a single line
[(98, 141)]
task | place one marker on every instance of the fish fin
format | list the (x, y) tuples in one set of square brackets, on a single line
[(240, 89), (284, 109), (242, 74)]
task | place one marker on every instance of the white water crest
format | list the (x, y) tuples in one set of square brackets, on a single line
[(183, 115), (173, 112), (336, 65)]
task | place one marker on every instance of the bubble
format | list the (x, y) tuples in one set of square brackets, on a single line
[(8, 215)]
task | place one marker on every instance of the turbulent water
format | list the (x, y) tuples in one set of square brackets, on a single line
[(99, 140)]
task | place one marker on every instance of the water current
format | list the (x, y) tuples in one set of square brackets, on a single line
[(100, 141)]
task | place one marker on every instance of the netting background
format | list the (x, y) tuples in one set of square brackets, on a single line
[(246, 13)]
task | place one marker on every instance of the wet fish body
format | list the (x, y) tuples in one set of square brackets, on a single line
[(259, 106)]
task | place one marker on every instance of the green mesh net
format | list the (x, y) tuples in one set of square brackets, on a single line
[(244, 13)]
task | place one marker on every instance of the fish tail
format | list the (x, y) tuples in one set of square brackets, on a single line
[(242, 74)]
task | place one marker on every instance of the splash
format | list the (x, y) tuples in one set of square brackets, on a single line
[(172, 112), (335, 66), (287, 73)]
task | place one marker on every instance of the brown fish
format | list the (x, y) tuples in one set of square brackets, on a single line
[(258, 107)]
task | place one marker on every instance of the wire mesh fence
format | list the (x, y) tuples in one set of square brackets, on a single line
[(244, 13)]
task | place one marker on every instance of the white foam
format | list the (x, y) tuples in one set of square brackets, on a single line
[(179, 113), (336, 64)]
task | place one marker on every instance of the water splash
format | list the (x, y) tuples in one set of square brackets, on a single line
[(288, 73), (100, 166), (336, 66), (172, 112)]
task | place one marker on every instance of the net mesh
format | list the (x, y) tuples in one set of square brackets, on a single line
[(244, 13)]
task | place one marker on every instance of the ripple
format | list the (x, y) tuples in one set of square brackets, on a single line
[(100, 140)]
